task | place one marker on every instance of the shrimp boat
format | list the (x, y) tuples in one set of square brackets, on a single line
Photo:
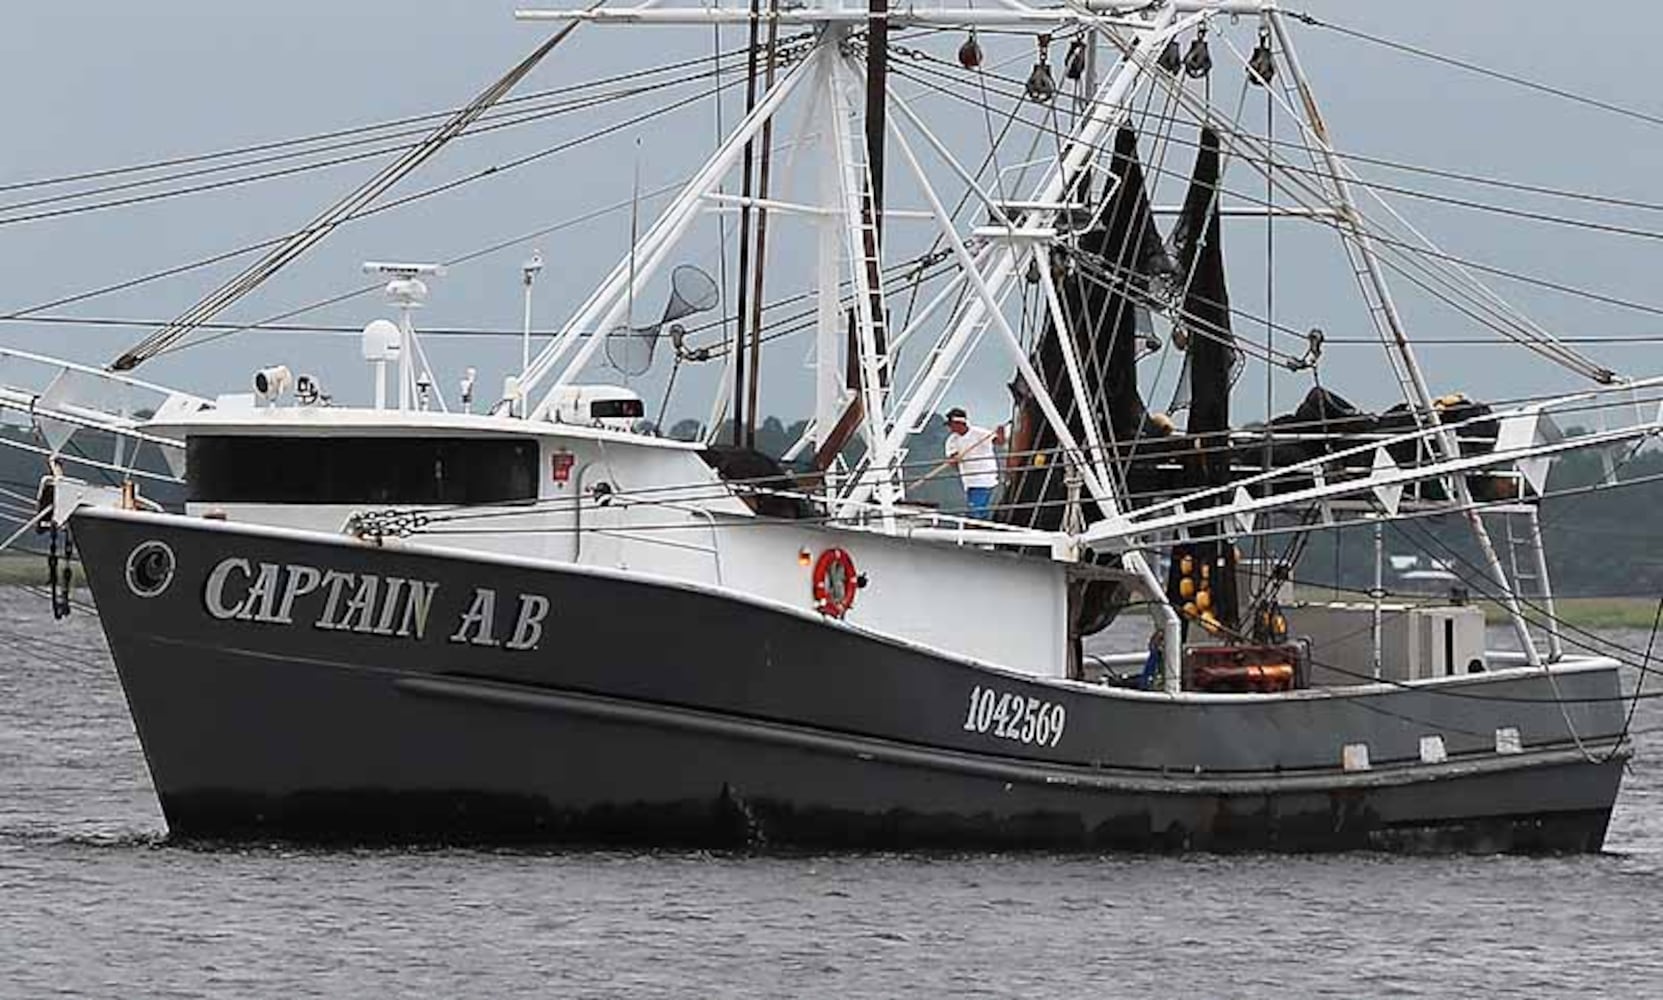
[(546, 621)]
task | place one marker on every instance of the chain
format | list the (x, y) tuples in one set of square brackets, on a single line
[(378, 524), (59, 582)]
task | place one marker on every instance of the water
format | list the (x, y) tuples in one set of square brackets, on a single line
[(94, 902)]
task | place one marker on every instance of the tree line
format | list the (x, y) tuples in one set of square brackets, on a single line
[(1599, 542)]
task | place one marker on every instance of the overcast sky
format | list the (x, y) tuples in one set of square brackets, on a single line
[(107, 83)]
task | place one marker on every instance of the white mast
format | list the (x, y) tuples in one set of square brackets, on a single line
[(528, 272)]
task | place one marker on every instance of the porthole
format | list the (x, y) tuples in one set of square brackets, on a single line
[(149, 568)]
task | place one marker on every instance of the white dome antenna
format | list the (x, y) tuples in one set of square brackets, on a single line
[(382, 342), (408, 292)]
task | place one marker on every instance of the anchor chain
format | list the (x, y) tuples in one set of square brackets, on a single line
[(378, 524), (59, 583)]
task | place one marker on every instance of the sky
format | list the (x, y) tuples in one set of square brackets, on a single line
[(107, 83)]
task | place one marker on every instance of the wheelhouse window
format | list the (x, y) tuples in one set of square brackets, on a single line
[(605, 409), (372, 470)]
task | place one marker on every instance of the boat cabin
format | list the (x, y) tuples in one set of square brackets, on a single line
[(582, 488)]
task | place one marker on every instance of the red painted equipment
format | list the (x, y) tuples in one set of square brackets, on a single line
[(1244, 669)]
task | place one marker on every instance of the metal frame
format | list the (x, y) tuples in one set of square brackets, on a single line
[(1019, 233), (584, 333)]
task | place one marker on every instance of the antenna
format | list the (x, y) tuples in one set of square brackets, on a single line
[(397, 270), (381, 344), (465, 389), (406, 290), (634, 232), (528, 272)]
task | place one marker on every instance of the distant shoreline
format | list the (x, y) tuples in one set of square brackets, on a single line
[(1605, 611), (1587, 612)]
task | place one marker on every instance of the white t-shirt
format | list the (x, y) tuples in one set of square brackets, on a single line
[(979, 468)]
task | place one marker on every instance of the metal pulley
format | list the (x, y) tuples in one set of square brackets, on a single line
[(970, 53), (1042, 86), (1074, 66), (1172, 57), (1198, 62), (1261, 65)]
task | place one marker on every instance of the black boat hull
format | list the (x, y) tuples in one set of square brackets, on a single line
[(648, 712)]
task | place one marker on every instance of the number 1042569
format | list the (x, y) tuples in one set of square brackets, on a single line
[(1014, 717)]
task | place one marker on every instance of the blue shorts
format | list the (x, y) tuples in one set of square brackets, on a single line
[(978, 500)]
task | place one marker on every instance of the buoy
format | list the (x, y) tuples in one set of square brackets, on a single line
[(1186, 588), (1204, 600)]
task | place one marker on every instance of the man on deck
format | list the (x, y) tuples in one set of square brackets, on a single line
[(971, 449)]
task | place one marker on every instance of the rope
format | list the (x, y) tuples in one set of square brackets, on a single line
[(1645, 670)]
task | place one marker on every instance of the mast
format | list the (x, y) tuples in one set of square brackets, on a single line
[(761, 263), (740, 395), (877, 105), (833, 435)]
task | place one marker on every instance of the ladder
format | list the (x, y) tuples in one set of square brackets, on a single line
[(870, 309), (1527, 561), (862, 254)]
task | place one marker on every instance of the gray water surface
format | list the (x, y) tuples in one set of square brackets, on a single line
[(94, 902)]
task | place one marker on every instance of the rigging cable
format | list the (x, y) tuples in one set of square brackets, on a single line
[(382, 145), (321, 226), (1550, 349), (925, 63), (340, 133), (1471, 67), (438, 189)]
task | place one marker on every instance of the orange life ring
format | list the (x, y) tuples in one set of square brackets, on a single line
[(835, 583)]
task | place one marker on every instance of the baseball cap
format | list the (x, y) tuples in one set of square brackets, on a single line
[(956, 413)]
